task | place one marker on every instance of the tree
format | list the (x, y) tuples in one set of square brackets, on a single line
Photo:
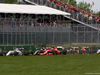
[(10, 1), (65, 1), (98, 13), (85, 6), (82, 5), (72, 2)]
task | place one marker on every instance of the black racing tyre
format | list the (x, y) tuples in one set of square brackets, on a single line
[(64, 52), (4, 53), (1, 53), (15, 53), (26, 53)]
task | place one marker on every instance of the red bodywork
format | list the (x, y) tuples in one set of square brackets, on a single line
[(48, 51)]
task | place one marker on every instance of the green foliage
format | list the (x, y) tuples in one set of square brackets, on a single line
[(10, 1), (72, 2), (85, 6), (65, 1), (82, 5), (98, 13)]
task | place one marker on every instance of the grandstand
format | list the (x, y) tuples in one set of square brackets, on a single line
[(43, 22)]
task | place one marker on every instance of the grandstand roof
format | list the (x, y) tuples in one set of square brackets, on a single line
[(29, 9)]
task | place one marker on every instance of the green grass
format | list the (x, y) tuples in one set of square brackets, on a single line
[(50, 65)]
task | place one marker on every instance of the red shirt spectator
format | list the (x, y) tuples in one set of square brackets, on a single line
[(68, 8), (58, 3), (51, 0)]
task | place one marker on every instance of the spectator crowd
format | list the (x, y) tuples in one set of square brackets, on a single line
[(26, 20), (76, 13)]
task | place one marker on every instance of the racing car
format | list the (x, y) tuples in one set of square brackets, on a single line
[(15, 52), (50, 51)]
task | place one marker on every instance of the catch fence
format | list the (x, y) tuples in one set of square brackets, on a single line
[(19, 35)]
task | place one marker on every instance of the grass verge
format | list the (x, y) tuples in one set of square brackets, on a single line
[(50, 65)]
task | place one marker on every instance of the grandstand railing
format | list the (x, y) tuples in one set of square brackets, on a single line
[(24, 23), (30, 28)]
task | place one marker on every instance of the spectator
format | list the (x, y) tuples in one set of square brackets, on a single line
[(77, 12), (90, 19), (13, 23), (32, 24), (51, 1), (58, 4), (80, 16), (48, 3), (54, 23), (86, 18), (41, 1)]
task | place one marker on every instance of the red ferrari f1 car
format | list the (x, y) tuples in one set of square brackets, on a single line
[(50, 51)]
